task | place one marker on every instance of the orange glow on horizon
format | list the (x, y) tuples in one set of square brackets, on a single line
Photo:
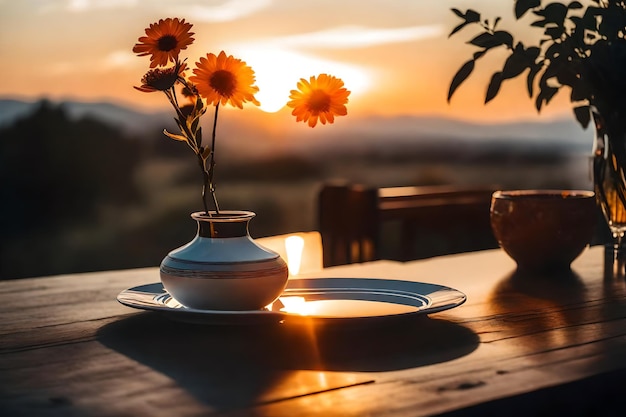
[(279, 70), (394, 58)]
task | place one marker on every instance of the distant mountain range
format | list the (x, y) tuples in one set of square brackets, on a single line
[(114, 114), (248, 132)]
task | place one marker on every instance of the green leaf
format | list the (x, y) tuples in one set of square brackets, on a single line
[(460, 76), (577, 34), (532, 53), (488, 40), (566, 75), (553, 13), (200, 104), (575, 5), (482, 40), (538, 103), (456, 29), (580, 91), (174, 136), (555, 50), (530, 80), (612, 23), (522, 6), (194, 123), (544, 96), (555, 32), (515, 64), (551, 71), (577, 21), (494, 86), (205, 152), (504, 37), (458, 13), (199, 136), (472, 16), (583, 115), (590, 17), (479, 54)]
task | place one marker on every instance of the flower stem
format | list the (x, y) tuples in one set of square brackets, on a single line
[(191, 142), (212, 161), (205, 183), (194, 142)]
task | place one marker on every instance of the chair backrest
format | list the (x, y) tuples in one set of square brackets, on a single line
[(348, 223), (359, 224)]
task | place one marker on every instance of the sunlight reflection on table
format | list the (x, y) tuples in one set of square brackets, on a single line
[(344, 308)]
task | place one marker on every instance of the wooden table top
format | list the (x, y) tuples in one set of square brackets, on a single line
[(520, 345)]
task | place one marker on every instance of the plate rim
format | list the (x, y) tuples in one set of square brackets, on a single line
[(454, 298)]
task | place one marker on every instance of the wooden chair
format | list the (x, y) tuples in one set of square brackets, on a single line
[(359, 224)]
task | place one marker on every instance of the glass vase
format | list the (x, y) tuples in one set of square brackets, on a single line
[(222, 268), (609, 163)]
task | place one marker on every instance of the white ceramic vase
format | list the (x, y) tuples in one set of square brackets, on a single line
[(222, 268)]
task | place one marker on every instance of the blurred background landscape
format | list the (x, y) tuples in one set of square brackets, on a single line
[(89, 182), (96, 186)]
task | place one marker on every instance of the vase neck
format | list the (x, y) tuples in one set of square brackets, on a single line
[(222, 230), (226, 225)]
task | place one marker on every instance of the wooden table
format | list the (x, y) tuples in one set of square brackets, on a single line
[(520, 345)]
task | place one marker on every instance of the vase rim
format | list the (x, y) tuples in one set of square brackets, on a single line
[(224, 216)]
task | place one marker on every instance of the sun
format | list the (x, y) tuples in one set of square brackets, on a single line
[(278, 71)]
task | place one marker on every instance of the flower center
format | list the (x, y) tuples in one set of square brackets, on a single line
[(319, 101), (167, 43), (161, 79), (224, 82)]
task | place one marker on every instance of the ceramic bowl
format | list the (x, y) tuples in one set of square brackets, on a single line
[(543, 229)]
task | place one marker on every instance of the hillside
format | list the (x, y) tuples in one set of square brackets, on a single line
[(253, 133)]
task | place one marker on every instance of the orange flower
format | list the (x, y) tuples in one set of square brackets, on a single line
[(319, 98), (225, 79), (161, 79), (164, 41)]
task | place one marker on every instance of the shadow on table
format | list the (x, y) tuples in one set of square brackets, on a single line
[(235, 366), (598, 396), (557, 288), (553, 305), (530, 303)]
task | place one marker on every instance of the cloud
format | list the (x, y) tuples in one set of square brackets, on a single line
[(87, 5), (359, 37), (118, 59), (114, 60), (275, 60), (224, 11)]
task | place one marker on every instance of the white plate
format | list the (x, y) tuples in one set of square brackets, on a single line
[(320, 298)]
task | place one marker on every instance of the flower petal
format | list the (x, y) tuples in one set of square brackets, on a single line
[(319, 98)]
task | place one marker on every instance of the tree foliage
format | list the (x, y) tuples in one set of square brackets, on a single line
[(582, 47), (56, 173)]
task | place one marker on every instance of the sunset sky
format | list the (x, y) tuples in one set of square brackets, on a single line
[(394, 55)]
